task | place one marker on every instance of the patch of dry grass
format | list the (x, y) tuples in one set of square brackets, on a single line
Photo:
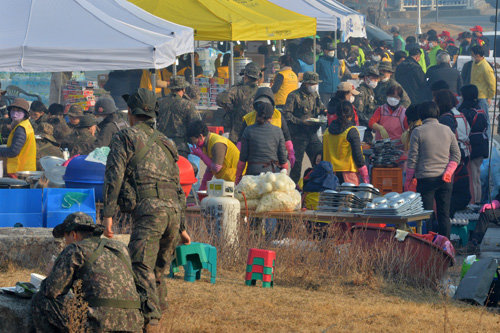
[(229, 305)]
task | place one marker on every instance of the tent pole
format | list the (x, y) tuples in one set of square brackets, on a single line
[(153, 80), (192, 68), (232, 63), (336, 45), (60, 88), (314, 53), (174, 67)]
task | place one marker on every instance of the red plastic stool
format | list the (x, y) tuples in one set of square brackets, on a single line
[(216, 129), (268, 256)]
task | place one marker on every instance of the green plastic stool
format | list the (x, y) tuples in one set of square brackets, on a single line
[(194, 258), (462, 232)]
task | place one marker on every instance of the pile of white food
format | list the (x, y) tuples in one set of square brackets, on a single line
[(269, 192)]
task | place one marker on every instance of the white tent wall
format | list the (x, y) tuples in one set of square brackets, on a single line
[(73, 35)]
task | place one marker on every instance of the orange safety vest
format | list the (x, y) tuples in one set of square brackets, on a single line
[(251, 117), (163, 75), (223, 72), (228, 171), (26, 160), (338, 151), (290, 83)]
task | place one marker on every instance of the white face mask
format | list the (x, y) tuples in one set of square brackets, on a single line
[(351, 99), (312, 89), (431, 45), (376, 58), (372, 84), (385, 79), (331, 54), (392, 101)]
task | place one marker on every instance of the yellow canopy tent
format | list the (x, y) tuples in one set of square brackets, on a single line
[(231, 20)]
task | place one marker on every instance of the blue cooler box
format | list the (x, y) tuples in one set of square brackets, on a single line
[(84, 174), (54, 213), (22, 206)]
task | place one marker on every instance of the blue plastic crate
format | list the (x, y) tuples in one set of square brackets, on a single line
[(22, 206), (54, 213)]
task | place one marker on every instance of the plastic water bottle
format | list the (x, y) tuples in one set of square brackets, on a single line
[(66, 154)]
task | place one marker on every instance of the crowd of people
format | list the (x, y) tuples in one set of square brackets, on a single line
[(409, 93)]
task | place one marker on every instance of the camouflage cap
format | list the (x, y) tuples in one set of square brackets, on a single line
[(143, 102), (75, 110), (87, 120), (77, 221), (46, 131), (369, 71), (178, 82), (385, 66), (252, 70), (311, 78), (104, 106)]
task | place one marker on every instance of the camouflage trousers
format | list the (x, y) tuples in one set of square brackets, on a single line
[(155, 233), (48, 314)]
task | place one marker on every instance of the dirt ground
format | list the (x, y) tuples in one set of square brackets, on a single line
[(229, 305)]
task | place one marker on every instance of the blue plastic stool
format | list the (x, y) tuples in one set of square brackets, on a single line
[(193, 261), (461, 231)]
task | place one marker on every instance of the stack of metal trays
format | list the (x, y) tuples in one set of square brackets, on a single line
[(344, 201), (395, 204), (364, 191), (386, 153)]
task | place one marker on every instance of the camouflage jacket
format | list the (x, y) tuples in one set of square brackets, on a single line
[(236, 102), (44, 148), (381, 93), (36, 123), (365, 104), (301, 105), (80, 142), (61, 128), (109, 126), (155, 170), (109, 277), (175, 114)]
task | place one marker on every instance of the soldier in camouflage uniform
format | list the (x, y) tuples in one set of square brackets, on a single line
[(37, 115), (176, 113), (56, 119), (107, 282), (105, 108), (365, 102), (238, 101), (75, 113), (47, 145), (386, 81), (82, 141), (302, 104), (142, 177)]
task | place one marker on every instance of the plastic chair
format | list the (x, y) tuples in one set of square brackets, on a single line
[(15, 91)]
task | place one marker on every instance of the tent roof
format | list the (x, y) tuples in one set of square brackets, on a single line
[(350, 22), (325, 21), (125, 11), (67, 35), (233, 19)]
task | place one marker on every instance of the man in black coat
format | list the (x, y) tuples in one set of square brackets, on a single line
[(410, 75), (443, 71)]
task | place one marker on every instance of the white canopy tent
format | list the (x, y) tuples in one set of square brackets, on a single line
[(129, 13), (324, 21), (73, 35), (350, 22)]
